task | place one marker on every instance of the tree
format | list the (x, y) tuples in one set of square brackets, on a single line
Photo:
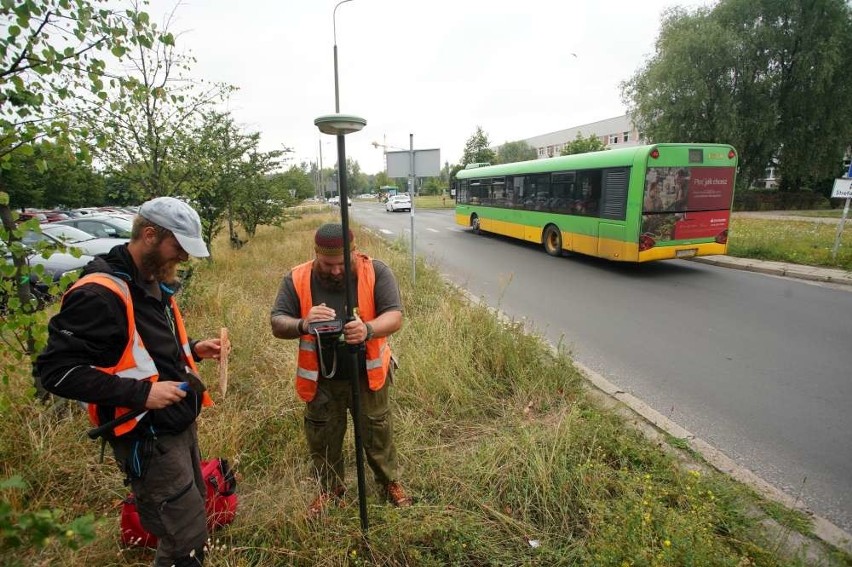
[(296, 182), (61, 181), (53, 61), (477, 150), (145, 114), (381, 180), (581, 145), (512, 152), (210, 168), (767, 77), (225, 174)]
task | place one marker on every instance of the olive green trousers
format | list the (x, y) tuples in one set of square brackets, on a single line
[(325, 428)]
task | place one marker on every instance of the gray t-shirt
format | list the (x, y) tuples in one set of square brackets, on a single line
[(386, 298)]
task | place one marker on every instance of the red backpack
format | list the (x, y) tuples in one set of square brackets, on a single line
[(221, 505)]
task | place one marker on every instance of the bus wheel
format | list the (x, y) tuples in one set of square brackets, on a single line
[(552, 240), (474, 224)]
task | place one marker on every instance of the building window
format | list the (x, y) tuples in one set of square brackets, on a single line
[(626, 136), (613, 138)]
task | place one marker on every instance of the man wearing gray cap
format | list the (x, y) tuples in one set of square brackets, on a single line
[(119, 344)]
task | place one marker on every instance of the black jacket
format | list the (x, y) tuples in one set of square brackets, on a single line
[(91, 330)]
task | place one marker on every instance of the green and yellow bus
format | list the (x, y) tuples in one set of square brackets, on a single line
[(633, 204)]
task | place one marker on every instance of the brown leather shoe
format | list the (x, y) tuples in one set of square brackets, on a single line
[(396, 495), (325, 498)]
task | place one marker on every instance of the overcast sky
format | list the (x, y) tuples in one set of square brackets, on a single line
[(433, 68)]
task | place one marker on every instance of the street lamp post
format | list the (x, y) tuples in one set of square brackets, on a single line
[(340, 125)]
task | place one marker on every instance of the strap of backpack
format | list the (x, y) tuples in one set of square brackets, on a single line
[(229, 478)]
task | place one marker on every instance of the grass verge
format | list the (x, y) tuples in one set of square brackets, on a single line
[(795, 241), (509, 460)]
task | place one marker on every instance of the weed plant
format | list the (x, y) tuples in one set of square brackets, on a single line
[(508, 460)]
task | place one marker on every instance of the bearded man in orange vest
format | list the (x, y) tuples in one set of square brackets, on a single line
[(119, 344), (313, 292)]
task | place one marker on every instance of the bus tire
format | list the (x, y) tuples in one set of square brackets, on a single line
[(474, 224), (552, 240)]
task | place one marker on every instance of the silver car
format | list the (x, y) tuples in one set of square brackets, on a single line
[(104, 226), (68, 236)]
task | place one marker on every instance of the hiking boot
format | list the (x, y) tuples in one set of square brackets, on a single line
[(325, 498), (396, 495)]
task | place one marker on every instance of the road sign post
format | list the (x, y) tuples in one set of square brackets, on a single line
[(842, 188), (413, 164)]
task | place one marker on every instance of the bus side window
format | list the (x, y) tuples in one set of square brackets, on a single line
[(562, 189), (518, 191), (587, 194)]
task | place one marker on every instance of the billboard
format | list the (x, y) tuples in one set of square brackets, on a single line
[(427, 163)]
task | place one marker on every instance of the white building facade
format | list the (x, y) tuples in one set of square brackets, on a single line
[(616, 132)]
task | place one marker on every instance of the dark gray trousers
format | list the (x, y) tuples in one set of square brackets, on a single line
[(170, 495)]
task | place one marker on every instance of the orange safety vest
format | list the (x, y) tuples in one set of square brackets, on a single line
[(378, 350), (135, 361)]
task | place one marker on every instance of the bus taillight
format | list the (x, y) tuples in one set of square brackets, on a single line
[(732, 154), (722, 237), (646, 242), (655, 153)]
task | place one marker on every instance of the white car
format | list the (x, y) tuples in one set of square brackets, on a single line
[(398, 203), (336, 201)]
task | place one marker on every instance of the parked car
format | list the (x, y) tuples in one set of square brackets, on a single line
[(398, 203), (53, 216), (27, 215), (68, 236), (103, 226), (56, 266)]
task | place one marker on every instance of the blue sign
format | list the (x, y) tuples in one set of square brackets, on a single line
[(849, 173)]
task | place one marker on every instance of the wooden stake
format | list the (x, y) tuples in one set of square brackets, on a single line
[(224, 351)]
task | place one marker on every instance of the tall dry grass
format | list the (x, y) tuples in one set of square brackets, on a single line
[(508, 461)]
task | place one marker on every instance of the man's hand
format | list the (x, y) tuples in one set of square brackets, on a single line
[(209, 348), (355, 331), (320, 312), (164, 394)]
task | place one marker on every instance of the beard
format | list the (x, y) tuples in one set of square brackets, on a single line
[(330, 282), (157, 267)]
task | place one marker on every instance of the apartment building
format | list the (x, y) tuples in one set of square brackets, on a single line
[(616, 132)]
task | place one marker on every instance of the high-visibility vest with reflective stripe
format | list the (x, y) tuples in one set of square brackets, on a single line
[(135, 361), (378, 352)]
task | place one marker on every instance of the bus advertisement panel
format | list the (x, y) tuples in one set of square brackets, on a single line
[(682, 203)]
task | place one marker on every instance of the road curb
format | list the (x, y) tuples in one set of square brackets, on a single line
[(783, 269)]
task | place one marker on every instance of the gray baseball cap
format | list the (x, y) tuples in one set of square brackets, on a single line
[(178, 217)]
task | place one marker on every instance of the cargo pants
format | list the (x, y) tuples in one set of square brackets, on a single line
[(325, 427), (170, 494)]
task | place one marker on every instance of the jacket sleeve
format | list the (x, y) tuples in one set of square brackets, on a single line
[(89, 330)]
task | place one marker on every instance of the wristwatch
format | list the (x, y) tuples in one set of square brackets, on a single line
[(369, 331)]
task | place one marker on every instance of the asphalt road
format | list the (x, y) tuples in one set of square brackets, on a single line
[(758, 366)]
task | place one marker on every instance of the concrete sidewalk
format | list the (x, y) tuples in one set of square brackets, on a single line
[(812, 273)]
